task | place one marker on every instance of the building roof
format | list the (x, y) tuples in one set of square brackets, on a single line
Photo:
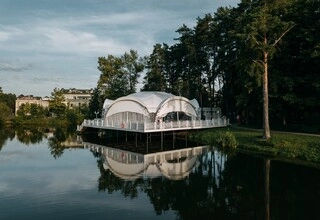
[(147, 103), (76, 91), (28, 97)]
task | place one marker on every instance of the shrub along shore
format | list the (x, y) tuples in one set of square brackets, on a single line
[(300, 147), (281, 145)]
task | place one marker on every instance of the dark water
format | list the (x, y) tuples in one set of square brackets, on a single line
[(53, 177)]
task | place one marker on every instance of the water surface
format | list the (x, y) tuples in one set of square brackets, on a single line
[(50, 179)]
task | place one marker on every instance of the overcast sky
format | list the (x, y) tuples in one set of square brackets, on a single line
[(46, 44)]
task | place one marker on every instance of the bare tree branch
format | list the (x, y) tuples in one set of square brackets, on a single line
[(284, 33)]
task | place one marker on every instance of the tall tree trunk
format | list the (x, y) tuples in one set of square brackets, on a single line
[(266, 127)]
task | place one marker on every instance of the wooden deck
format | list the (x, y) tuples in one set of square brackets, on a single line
[(153, 127)]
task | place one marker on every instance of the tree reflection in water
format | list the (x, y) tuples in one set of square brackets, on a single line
[(220, 186), (57, 137), (57, 143), (6, 134), (30, 135), (224, 187)]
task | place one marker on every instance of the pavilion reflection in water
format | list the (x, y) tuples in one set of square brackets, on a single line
[(173, 164)]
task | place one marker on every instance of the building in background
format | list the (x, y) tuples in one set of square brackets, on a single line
[(30, 99), (74, 98)]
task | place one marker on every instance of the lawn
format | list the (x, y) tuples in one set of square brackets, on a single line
[(283, 145)]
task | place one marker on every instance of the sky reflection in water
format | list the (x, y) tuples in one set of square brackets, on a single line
[(35, 184)]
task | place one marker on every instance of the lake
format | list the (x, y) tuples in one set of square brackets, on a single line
[(51, 175)]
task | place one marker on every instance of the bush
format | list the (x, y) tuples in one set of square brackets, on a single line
[(226, 140), (284, 145), (221, 138)]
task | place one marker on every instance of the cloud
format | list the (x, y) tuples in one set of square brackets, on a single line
[(112, 33), (58, 42), (94, 33), (14, 66), (4, 36), (8, 156), (66, 41), (9, 32)]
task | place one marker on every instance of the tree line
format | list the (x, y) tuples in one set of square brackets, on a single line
[(57, 112), (258, 60)]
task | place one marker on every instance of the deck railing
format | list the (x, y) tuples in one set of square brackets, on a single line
[(154, 126)]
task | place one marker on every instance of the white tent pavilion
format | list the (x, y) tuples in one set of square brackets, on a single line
[(151, 112), (148, 107)]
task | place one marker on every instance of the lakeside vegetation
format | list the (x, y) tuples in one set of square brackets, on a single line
[(219, 62), (56, 114), (258, 61), (284, 145)]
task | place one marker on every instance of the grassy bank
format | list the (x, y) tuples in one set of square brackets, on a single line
[(284, 145)]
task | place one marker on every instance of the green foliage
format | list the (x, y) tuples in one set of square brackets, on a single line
[(95, 104), (31, 111), (221, 61), (297, 146), (133, 65), (5, 112), (8, 99), (283, 145), (56, 105), (155, 78), (119, 75), (224, 140), (73, 117)]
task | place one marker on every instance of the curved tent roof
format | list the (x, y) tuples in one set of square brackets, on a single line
[(107, 103), (146, 103)]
